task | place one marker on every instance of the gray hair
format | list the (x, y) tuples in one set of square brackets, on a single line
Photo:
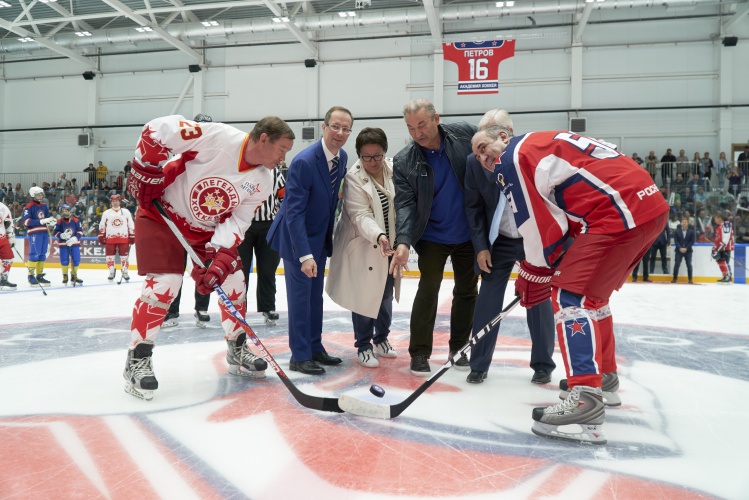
[(492, 131), (416, 105), (496, 117)]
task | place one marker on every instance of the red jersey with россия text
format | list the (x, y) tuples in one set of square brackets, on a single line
[(560, 184)]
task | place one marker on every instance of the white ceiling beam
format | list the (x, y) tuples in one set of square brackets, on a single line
[(435, 26), (577, 34), (89, 63), (27, 14), (80, 25), (293, 28), (171, 40), (741, 11)]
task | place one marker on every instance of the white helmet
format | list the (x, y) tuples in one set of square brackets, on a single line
[(35, 191)]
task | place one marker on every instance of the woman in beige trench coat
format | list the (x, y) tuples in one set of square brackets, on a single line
[(358, 276)]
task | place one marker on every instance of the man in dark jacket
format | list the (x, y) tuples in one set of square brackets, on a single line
[(430, 216), (684, 239), (660, 245)]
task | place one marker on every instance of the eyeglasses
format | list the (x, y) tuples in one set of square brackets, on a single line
[(338, 128), (372, 158)]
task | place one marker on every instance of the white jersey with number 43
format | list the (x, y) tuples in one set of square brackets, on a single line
[(211, 192)]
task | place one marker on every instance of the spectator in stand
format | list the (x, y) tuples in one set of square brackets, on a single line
[(679, 184), (721, 167), (660, 245), (700, 196), (636, 158), (91, 171), (735, 179), (668, 161), (684, 239), (74, 186), (3, 192), (100, 209), (19, 195), (696, 163), (101, 173), (62, 181), (682, 163), (706, 167), (104, 187), (651, 164), (742, 162)]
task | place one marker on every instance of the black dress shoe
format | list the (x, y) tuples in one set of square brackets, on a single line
[(306, 367), (476, 377), (541, 377), (325, 359)]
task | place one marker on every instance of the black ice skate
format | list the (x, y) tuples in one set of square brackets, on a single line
[(201, 318), (65, 279), (141, 381), (74, 279), (33, 281), (242, 361), (42, 280), (7, 285), (271, 318), (170, 320)]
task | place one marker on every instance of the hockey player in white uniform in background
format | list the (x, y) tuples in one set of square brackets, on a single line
[(210, 178), (7, 241), (117, 233)]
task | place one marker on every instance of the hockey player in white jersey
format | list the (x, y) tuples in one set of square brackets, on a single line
[(117, 233), (209, 177), (7, 241)]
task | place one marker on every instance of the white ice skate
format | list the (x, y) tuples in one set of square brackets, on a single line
[(111, 273), (141, 381), (271, 318), (170, 320), (201, 318), (610, 388), (579, 418), (125, 274), (242, 361)]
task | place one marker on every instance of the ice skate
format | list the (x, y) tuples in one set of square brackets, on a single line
[(74, 279), (579, 418), (7, 285), (42, 280), (271, 318), (125, 274), (610, 388), (170, 320), (242, 361), (201, 318), (141, 381), (65, 279), (33, 281), (111, 274)]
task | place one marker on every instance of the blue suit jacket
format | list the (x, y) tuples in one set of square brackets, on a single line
[(682, 240), (481, 194), (304, 224)]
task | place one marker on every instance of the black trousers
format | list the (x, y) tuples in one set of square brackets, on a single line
[(201, 301), (678, 256), (432, 259), (654, 250), (267, 263)]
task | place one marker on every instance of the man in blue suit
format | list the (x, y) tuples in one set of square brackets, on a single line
[(498, 246), (684, 241), (302, 234)]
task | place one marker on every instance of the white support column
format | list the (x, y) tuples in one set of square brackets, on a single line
[(725, 116), (576, 76), (439, 81), (92, 117)]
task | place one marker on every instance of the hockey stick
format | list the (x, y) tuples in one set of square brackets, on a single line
[(27, 266), (356, 406), (306, 400)]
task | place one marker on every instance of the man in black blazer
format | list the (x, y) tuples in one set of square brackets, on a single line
[(684, 240), (496, 255)]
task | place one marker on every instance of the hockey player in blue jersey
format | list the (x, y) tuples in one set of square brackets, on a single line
[(36, 218), (68, 231)]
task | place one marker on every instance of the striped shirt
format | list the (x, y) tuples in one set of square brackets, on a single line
[(267, 211), (385, 211)]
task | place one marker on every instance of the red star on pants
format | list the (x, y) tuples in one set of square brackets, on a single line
[(150, 282), (576, 327)]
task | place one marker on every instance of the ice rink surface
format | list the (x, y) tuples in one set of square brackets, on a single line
[(68, 430)]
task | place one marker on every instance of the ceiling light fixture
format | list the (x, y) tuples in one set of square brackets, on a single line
[(143, 29), (511, 3), (25, 39), (83, 33), (4, 4), (209, 23)]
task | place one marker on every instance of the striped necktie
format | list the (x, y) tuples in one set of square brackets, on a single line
[(334, 172)]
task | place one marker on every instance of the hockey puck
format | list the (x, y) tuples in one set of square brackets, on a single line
[(377, 390)]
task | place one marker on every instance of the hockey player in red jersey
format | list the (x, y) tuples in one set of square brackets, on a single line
[(587, 215), (723, 247), (117, 233), (209, 177), (7, 241)]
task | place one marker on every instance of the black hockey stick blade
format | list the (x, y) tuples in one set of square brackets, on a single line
[(356, 406), (306, 400)]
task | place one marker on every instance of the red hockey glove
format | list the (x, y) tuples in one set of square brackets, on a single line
[(533, 284), (102, 239), (222, 263), (145, 183), (131, 240)]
